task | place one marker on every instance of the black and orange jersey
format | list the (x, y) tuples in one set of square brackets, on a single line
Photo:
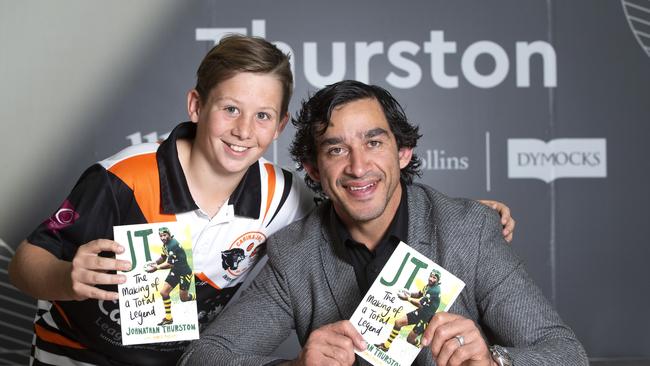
[(145, 184)]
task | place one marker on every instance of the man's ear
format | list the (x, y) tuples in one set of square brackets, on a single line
[(405, 155), (312, 171), (193, 105), (282, 125)]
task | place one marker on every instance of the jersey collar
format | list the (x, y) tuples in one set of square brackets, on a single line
[(175, 194)]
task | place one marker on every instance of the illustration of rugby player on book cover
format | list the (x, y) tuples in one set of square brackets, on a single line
[(399, 305)]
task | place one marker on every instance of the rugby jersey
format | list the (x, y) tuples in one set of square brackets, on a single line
[(145, 184)]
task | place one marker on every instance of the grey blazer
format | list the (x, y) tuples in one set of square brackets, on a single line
[(306, 284)]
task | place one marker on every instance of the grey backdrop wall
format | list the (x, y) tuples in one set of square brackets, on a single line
[(541, 104)]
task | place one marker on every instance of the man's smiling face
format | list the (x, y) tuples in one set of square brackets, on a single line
[(358, 163)]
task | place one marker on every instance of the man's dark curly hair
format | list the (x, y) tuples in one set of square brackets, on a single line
[(314, 117)]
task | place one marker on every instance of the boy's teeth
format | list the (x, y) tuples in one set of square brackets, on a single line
[(237, 148)]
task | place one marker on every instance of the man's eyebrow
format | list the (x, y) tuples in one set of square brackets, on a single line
[(366, 135), (375, 132), (331, 141)]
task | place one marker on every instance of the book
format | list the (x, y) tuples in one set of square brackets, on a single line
[(158, 299), (407, 279)]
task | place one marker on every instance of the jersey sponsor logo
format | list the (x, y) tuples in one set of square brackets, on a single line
[(108, 323), (231, 258), (63, 217), (243, 253), (110, 309)]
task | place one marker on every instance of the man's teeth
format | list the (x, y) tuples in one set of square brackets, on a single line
[(361, 188), (237, 148)]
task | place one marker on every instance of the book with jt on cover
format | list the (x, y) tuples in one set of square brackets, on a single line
[(393, 314), (158, 300)]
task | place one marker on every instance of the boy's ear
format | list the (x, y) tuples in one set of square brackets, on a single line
[(193, 105), (282, 125)]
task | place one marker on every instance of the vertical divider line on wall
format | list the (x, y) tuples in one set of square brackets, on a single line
[(487, 161), (552, 196), (275, 152)]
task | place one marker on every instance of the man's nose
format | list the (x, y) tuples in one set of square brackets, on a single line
[(357, 163)]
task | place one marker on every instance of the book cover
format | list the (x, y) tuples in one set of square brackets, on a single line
[(158, 299), (393, 314)]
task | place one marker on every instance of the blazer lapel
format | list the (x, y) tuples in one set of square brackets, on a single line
[(339, 274), (422, 231)]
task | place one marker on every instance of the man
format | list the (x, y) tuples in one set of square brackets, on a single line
[(427, 301), (356, 145), (173, 257)]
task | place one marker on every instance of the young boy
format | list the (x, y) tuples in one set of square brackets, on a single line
[(209, 173)]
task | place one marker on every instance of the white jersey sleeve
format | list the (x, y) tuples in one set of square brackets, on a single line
[(288, 200)]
